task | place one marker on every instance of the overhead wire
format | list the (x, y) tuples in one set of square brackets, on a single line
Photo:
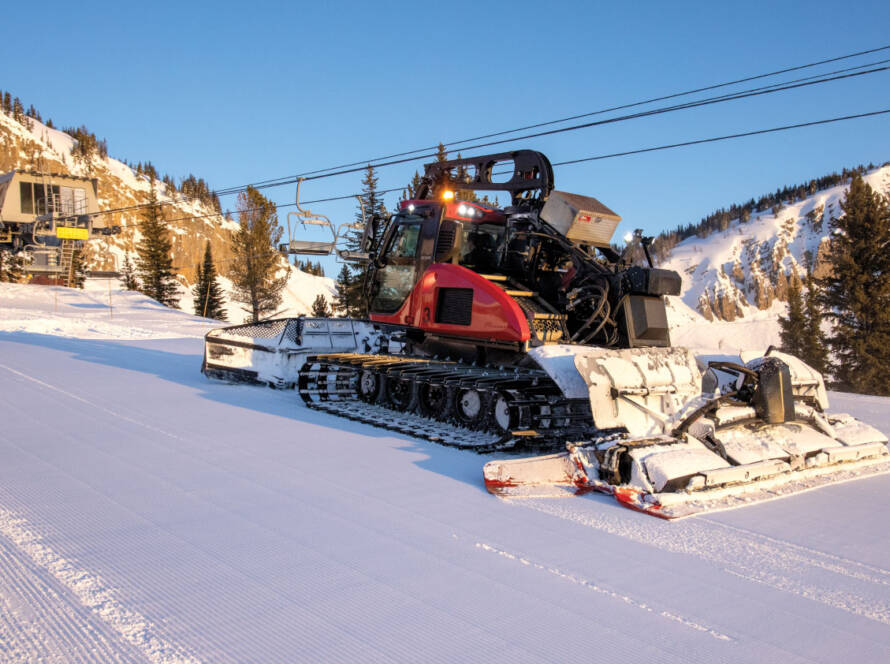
[(588, 114), (612, 155), (715, 139), (850, 72), (621, 118)]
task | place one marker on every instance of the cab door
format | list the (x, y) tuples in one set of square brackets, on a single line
[(407, 252)]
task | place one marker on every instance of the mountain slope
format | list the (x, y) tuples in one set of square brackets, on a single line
[(746, 269), (735, 282), (192, 222)]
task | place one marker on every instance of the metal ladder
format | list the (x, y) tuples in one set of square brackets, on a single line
[(67, 263)]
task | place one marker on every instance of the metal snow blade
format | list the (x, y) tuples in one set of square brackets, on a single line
[(762, 439), (272, 352)]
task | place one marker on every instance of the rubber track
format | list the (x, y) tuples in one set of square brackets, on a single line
[(417, 426), (328, 383)]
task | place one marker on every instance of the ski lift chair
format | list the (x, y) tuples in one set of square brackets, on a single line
[(307, 218), (361, 255)]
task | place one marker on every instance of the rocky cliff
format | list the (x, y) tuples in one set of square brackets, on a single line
[(748, 267)]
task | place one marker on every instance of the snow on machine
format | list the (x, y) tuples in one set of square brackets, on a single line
[(523, 329)]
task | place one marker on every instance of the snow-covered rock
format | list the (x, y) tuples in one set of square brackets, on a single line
[(747, 268), (735, 282)]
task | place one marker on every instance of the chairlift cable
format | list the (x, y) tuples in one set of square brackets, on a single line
[(613, 155), (776, 87), (582, 115)]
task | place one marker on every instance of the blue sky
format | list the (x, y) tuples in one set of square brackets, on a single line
[(239, 92)]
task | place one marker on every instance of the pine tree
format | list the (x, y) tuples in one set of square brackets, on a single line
[(344, 302), (128, 274), (856, 296), (813, 350), (412, 190), (7, 103), (445, 176), (461, 175), (12, 266), (792, 326), (154, 263), (320, 308), (372, 200), (374, 211), (309, 267), (207, 291), (18, 111), (255, 261)]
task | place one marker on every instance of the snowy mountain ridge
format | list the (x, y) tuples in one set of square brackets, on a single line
[(192, 224), (744, 271)]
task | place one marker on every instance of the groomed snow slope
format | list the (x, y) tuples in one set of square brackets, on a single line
[(150, 515)]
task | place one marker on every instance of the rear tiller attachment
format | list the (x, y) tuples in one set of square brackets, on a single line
[(762, 435)]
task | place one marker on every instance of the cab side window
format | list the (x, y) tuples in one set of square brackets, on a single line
[(404, 244)]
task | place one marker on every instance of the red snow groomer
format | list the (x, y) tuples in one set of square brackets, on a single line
[(522, 328)]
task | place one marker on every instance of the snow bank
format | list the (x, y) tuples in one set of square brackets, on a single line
[(101, 311), (297, 297)]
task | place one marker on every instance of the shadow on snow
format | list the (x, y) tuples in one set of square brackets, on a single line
[(183, 368)]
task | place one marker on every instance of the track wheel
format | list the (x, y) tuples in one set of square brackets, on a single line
[(401, 393), (369, 383), (470, 407), (434, 401), (500, 416)]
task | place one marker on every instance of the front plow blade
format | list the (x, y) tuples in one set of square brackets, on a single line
[(272, 352), (672, 450)]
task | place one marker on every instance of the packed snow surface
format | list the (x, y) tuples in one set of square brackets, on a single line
[(150, 515)]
